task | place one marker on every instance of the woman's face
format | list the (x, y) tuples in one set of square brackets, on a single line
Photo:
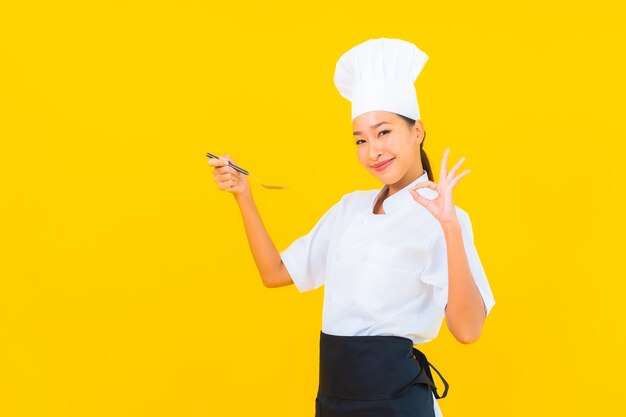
[(382, 136)]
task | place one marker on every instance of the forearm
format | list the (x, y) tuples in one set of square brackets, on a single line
[(465, 312), (264, 252)]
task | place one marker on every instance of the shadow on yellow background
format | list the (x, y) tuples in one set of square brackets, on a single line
[(127, 287)]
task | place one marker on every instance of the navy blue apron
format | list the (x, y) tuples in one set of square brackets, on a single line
[(374, 376)]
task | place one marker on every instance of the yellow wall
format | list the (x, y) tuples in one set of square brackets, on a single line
[(127, 287)]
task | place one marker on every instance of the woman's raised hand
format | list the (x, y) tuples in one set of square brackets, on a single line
[(442, 207), (227, 178)]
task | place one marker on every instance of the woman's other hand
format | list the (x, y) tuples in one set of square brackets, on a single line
[(229, 179)]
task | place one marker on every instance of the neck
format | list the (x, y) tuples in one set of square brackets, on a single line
[(403, 182)]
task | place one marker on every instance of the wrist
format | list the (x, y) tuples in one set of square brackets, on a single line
[(243, 198), (451, 225)]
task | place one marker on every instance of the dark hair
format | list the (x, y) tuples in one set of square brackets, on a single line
[(425, 161)]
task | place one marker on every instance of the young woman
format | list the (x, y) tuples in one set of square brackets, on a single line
[(394, 262)]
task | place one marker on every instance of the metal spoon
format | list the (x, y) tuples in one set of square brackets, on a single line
[(243, 171)]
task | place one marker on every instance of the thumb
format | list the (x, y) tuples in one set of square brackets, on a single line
[(226, 157)]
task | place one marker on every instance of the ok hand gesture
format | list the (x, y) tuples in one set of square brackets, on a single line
[(442, 207)]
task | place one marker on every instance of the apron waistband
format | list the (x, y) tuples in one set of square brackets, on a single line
[(373, 367)]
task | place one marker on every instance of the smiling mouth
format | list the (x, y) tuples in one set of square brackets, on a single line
[(383, 163)]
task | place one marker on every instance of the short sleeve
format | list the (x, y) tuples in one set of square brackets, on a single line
[(305, 258), (436, 271)]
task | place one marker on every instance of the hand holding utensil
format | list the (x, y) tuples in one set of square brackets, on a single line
[(243, 171)]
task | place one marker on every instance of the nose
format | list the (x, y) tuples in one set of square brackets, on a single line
[(374, 150)]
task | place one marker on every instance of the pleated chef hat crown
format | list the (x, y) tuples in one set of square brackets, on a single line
[(378, 75)]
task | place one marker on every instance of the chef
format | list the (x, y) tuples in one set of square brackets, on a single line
[(393, 261)]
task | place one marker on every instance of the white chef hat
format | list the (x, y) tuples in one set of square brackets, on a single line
[(378, 75)]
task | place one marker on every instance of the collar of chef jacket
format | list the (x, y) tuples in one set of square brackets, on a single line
[(403, 198)]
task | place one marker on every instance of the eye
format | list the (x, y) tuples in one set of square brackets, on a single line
[(357, 142), (383, 131)]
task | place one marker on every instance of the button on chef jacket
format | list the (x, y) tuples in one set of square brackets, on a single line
[(383, 274)]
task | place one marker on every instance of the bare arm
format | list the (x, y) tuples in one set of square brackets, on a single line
[(465, 312), (266, 257)]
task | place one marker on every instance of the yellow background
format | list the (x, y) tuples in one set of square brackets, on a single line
[(127, 286)]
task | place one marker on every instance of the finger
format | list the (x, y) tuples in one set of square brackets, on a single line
[(456, 166), (225, 168), (443, 171), (425, 184), (217, 162), (224, 185), (419, 198), (225, 176), (458, 177), (226, 157)]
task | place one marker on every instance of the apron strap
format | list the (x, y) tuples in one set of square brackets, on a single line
[(426, 376)]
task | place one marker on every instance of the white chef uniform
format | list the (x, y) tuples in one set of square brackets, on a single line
[(384, 274)]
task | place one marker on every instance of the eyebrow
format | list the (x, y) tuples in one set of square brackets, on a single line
[(371, 127)]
